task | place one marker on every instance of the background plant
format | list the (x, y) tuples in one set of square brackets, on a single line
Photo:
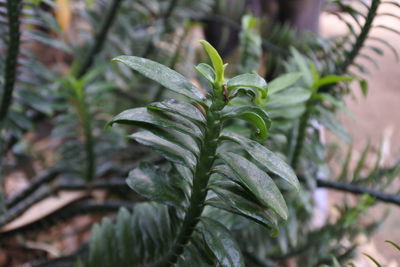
[(68, 98)]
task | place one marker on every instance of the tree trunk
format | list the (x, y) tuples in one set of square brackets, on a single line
[(301, 14)]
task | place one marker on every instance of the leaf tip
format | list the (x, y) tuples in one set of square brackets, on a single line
[(108, 125)]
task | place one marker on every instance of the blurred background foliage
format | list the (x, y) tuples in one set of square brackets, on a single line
[(59, 88)]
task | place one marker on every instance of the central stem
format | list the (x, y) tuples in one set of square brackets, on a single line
[(200, 180)]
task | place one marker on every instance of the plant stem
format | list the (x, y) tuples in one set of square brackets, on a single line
[(361, 38), (301, 135), (99, 38), (84, 114), (200, 180), (342, 68), (358, 190), (13, 13)]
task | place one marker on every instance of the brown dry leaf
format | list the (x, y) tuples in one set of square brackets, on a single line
[(44, 208)]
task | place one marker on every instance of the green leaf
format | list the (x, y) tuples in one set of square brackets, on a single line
[(154, 184), (254, 115), (221, 243), (169, 150), (394, 3), (216, 61), (393, 244), (373, 260), (283, 81), (96, 250), (370, 59), (248, 81), (251, 92), (335, 262), (327, 119), (266, 158), (258, 182), (303, 66), (196, 254), (36, 101), (142, 116), (98, 246), (43, 38), (206, 71), (361, 162), (388, 28), (153, 228), (290, 97), (172, 131), (184, 173), (332, 101), (79, 263), (291, 112), (332, 79), (165, 76), (124, 236), (364, 86), (345, 169), (183, 109), (314, 71), (387, 44), (231, 197)]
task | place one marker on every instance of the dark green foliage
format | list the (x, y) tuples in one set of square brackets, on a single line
[(218, 185), (254, 194)]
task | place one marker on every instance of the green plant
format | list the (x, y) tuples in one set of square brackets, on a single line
[(74, 102), (86, 148), (203, 173)]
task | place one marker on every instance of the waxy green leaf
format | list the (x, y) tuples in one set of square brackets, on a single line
[(266, 158), (216, 61), (290, 97), (170, 130), (254, 115), (125, 241), (163, 75), (282, 82), (291, 112), (233, 198), (330, 79), (303, 65), (248, 82), (183, 109), (327, 119), (393, 244), (220, 242), (155, 184), (169, 150), (141, 116), (258, 182), (206, 71)]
